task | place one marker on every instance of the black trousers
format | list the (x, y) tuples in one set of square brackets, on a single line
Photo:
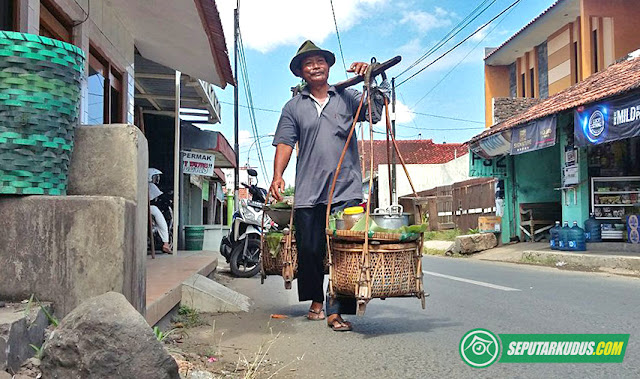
[(311, 242)]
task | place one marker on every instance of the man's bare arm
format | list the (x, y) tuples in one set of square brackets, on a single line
[(283, 154)]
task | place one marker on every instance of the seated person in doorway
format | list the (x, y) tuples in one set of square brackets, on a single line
[(159, 222)]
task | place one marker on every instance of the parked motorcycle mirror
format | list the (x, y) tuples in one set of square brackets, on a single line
[(252, 172)]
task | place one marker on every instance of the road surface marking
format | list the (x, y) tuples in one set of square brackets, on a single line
[(484, 284)]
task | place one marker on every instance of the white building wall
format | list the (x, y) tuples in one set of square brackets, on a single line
[(103, 29), (423, 176)]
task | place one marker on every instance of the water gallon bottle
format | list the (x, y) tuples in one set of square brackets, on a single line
[(576, 238), (563, 243), (592, 231), (554, 239)]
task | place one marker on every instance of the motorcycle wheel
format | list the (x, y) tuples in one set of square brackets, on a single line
[(246, 267)]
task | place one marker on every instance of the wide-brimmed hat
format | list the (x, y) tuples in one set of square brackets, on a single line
[(306, 49)]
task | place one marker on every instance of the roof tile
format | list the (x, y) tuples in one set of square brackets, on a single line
[(413, 152), (615, 80)]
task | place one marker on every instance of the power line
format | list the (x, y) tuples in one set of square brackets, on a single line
[(459, 43), (249, 99), (443, 129), (339, 42), (447, 117), (452, 33), (418, 113), (255, 108), (463, 59)]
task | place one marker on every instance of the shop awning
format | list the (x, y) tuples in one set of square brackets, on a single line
[(155, 91), (185, 35), (617, 79), (194, 138)]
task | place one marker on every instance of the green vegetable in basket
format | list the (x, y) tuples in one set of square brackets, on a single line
[(280, 205), (415, 228), (361, 226), (273, 242)]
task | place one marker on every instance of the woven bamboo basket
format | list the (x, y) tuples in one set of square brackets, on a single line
[(40, 81), (274, 265), (285, 258), (393, 268)]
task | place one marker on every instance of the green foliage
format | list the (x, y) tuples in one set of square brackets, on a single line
[(273, 242), (34, 300), (473, 231), (431, 251), (52, 320), (188, 317), (38, 351), (442, 235), (289, 191), (160, 335), (27, 309)]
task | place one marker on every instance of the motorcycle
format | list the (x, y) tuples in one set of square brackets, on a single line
[(241, 248)]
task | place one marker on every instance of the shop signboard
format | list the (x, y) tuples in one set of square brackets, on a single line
[(196, 163), (535, 135), (607, 121), (496, 145)]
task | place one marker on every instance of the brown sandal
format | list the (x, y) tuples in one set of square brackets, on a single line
[(318, 315), (340, 325)]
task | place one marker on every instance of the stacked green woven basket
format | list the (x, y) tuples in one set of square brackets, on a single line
[(40, 83)]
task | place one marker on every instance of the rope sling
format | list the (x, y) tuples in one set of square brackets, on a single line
[(363, 287)]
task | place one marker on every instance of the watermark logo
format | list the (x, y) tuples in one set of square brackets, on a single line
[(479, 348)]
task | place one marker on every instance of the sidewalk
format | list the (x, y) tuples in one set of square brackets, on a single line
[(614, 257)]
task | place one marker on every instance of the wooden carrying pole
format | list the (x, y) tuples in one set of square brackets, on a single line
[(363, 288)]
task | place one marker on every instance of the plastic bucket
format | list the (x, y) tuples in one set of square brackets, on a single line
[(194, 237)]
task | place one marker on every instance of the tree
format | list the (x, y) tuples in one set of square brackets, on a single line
[(289, 191)]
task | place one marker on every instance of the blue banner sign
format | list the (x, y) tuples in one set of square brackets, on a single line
[(611, 120), (533, 136)]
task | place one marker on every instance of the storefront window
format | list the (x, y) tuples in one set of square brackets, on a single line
[(7, 15), (53, 23), (619, 158), (96, 96), (105, 90)]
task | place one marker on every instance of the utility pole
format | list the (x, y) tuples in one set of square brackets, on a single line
[(177, 168), (393, 194), (236, 188)]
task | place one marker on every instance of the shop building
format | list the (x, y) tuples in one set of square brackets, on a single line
[(133, 58), (561, 132)]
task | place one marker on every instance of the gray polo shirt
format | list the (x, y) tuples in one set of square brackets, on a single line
[(321, 140)]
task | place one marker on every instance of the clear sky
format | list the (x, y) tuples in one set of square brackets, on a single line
[(273, 30)]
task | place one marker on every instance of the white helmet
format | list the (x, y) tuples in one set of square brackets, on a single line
[(154, 175)]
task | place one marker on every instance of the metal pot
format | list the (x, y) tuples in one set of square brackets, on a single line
[(390, 218)]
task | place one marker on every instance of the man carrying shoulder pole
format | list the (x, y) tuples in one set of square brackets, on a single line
[(319, 119)]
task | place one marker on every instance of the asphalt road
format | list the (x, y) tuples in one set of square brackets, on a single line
[(397, 339)]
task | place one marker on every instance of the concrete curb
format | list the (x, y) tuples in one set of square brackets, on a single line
[(587, 260)]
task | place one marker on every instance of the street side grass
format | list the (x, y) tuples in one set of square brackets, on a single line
[(187, 317), (442, 235), (430, 251), (540, 261)]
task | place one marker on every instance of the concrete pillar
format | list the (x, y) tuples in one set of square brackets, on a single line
[(575, 204), (81, 39), (66, 249), (112, 160)]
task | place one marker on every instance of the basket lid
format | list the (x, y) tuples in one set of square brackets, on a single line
[(353, 210)]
